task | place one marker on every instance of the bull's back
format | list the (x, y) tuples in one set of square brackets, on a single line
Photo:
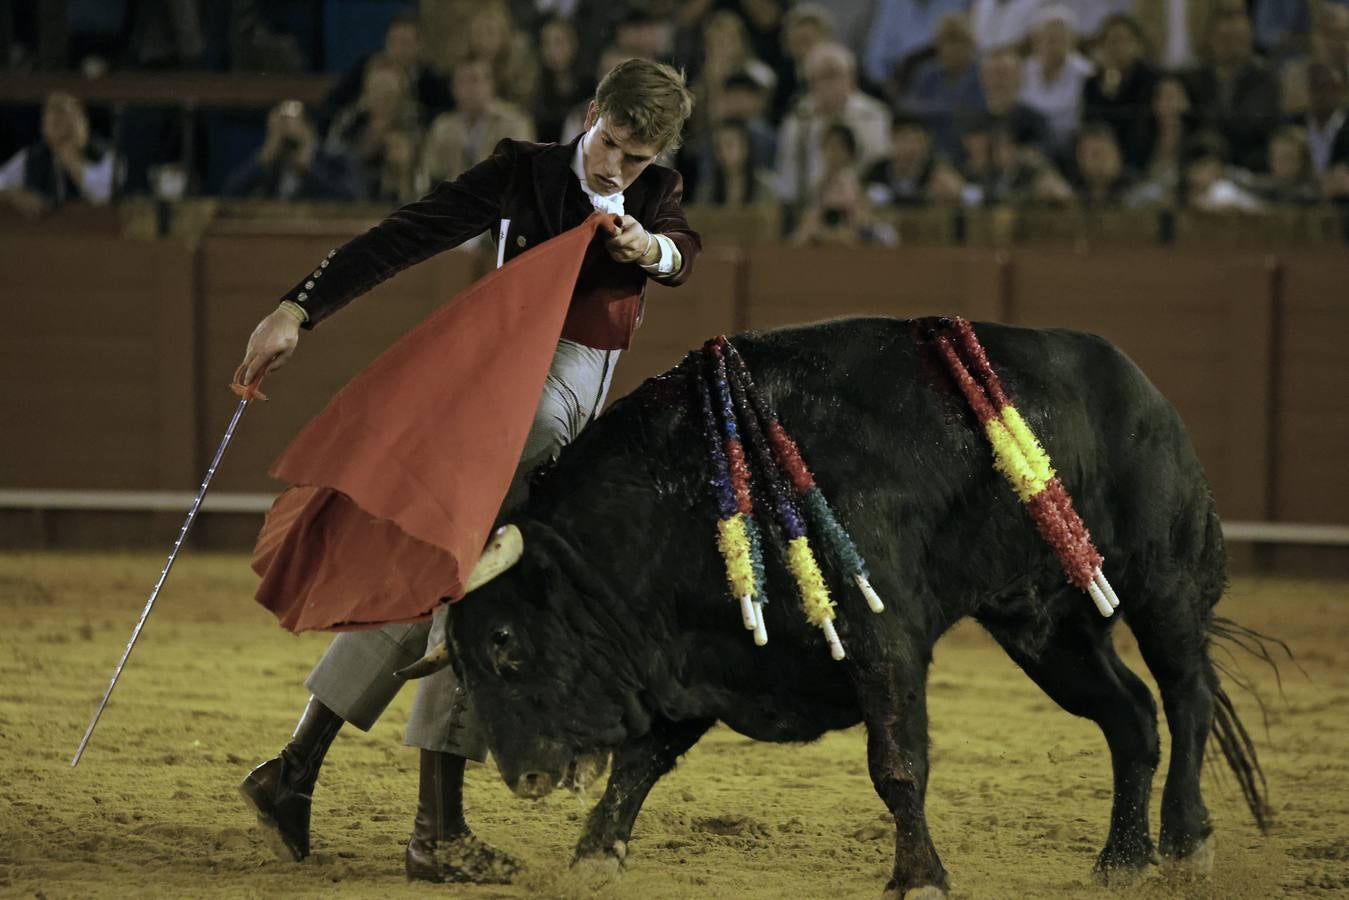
[(901, 458)]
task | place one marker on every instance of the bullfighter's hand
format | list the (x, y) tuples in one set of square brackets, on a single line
[(633, 244), (271, 344)]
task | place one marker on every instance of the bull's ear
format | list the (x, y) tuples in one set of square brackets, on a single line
[(503, 551)]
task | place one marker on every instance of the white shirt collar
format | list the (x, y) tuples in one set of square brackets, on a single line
[(610, 204)]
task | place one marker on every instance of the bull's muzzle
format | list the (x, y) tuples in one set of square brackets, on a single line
[(503, 551)]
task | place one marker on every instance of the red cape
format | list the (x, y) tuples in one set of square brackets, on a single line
[(397, 482)]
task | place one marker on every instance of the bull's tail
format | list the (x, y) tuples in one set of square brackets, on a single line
[(1229, 734)]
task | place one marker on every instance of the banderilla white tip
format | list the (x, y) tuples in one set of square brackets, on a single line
[(830, 635), (1099, 577), (747, 612), (873, 599), (1102, 604)]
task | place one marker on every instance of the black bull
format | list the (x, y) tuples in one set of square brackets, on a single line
[(615, 632)]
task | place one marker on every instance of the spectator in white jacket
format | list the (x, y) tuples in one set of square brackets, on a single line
[(832, 98)]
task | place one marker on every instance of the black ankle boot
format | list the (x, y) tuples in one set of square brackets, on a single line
[(280, 790), (442, 848)]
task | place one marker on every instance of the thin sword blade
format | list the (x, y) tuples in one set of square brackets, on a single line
[(163, 576)]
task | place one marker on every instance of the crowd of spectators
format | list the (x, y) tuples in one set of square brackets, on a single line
[(834, 111)]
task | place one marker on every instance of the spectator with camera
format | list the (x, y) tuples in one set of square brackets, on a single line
[(291, 165), (838, 211)]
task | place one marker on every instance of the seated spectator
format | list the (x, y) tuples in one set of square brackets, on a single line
[(1053, 76), (725, 53), (945, 89), (291, 166), (1329, 48), (1282, 27), (1172, 124), (1208, 184), (1234, 93), (996, 174), (838, 211), (384, 106), (400, 180), (805, 27), (65, 164), (742, 97), (745, 100), (902, 32), (1093, 15), (1289, 179), (833, 99), (1100, 180), (733, 180), (403, 48), (459, 140), (1175, 32), (493, 37), (905, 177), (1120, 93), (1325, 121), (1002, 23), (647, 32), (564, 83), (1000, 83)]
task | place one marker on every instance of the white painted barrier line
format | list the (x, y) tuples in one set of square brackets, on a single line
[(178, 501)]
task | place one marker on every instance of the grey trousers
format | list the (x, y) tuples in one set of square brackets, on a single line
[(355, 679)]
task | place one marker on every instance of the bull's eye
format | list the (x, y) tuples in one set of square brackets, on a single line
[(501, 650)]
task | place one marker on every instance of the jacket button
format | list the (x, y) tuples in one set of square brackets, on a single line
[(520, 240)]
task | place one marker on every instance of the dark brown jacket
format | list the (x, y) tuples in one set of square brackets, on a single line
[(532, 187)]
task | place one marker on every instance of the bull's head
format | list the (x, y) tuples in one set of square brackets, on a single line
[(545, 658)]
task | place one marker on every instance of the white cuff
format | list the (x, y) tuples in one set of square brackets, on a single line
[(666, 264)]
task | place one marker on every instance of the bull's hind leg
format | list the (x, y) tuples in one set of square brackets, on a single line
[(637, 766), (893, 698), (1079, 669), (1175, 650)]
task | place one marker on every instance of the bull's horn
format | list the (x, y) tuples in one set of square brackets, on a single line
[(503, 551), (429, 664)]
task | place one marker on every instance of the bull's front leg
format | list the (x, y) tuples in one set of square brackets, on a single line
[(637, 766), (893, 698)]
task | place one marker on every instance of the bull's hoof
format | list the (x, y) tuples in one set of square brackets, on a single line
[(1126, 862), (925, 892), (462, 859), (600, 868), (1198, 863)]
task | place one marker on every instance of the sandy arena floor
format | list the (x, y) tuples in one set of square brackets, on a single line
[(1018, 801)]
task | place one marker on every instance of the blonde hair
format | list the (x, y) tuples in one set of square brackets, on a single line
[(648, 97)]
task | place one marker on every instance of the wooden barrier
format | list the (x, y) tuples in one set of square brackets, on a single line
[(1311, 371), (118, 351), (789, 285), (1198, 324)]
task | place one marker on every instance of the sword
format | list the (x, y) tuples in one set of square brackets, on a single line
[(248, 393)]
